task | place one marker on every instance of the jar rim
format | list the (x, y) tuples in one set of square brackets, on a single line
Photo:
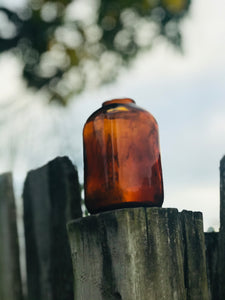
[(119, 101)]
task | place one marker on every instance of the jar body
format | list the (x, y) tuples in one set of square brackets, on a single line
[(122, 165)]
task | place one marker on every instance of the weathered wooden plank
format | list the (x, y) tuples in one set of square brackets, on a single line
[(10, 279), (51, 198), (128, 254), (221, 264), (194, 256), (211, 242)]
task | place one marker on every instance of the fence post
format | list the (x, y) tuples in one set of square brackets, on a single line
[(211, 241), (221, 264), (10, 278), (51, 198), (195, 271), (136, 253)]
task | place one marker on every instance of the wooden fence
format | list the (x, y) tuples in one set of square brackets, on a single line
[(137, 253)]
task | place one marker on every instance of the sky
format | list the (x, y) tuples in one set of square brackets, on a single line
[(185, 93)]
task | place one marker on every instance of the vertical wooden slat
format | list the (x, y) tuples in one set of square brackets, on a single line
[(51, 198), (221, 264), (211, 242), (194, 256), (10, 278)]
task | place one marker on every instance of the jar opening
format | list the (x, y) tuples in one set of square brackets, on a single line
[(119, 101)]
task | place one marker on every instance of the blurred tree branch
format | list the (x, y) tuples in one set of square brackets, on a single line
[(64, 53)]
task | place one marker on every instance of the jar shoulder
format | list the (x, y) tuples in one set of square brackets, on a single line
[(125, 111)]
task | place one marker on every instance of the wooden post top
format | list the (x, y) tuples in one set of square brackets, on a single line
[(139, 253)]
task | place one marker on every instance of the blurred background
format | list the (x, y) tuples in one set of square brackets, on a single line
[(59, 60)]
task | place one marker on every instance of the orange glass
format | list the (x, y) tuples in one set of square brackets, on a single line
[(122, 166)]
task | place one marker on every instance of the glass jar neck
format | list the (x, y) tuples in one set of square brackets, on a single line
[(118, 101)]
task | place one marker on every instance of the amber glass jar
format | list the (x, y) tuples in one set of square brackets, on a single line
[(122, 166)]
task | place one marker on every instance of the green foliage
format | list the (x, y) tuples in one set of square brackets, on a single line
[(67, 46)]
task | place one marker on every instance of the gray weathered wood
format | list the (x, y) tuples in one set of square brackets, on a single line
[(10, 279), (138, 253), (215, 247), (211, 242), (51, 198), (221, 264), (194, 256)]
